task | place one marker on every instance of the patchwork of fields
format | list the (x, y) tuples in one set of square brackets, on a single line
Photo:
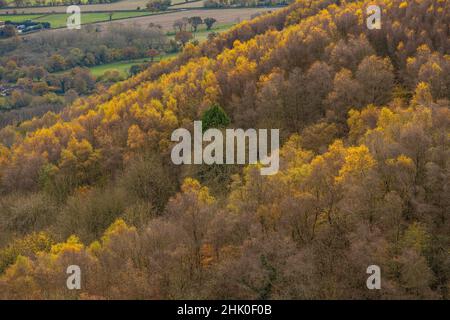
[(59, 20), (115, 6), (123, 67), (226, 18)]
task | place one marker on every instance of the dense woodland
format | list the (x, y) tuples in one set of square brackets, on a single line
[(364, 179)]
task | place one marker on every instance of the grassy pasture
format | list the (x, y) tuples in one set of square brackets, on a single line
[(124, 66), (19, 17)]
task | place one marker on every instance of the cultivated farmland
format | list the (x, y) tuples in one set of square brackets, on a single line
[(59, 20)]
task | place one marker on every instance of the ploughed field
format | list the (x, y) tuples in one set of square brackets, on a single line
[(166, 20)]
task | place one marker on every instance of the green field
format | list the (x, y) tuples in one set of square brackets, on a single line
[(202, 33), (122, 66), (59, 20)]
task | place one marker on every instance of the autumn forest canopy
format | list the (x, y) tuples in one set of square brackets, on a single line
[(364, 121)]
